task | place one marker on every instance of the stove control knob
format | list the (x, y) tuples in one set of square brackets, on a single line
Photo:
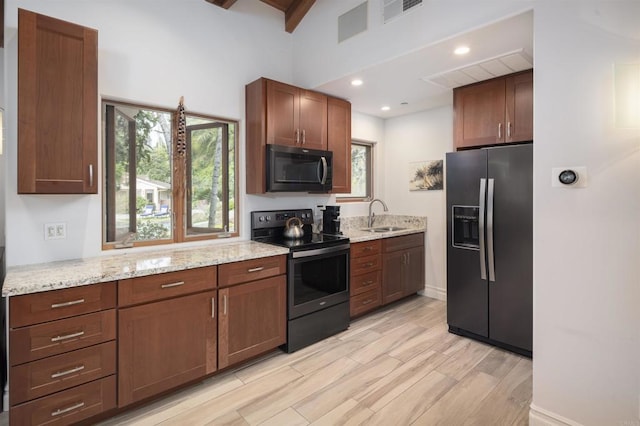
[(268, 218)]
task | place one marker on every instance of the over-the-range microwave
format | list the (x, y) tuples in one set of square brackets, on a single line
[(295, 169)]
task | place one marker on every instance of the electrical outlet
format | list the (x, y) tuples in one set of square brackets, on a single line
[(55, 231)]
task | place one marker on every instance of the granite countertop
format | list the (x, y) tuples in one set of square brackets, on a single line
[(77, 272), (352, 227), (72, 273)]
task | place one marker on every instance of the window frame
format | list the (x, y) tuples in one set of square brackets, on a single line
[(348, 198), (179, 169)]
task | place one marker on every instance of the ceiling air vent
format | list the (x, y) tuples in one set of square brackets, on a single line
[(394, 8), (507, 63)]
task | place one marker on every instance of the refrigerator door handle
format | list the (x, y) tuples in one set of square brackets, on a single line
[(482, 197), (490, 254)]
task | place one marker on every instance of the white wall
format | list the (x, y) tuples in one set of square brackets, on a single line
[(426, 135), (153, 53), (586, 241)]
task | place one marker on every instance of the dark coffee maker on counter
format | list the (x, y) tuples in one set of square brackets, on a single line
[(331, 220)]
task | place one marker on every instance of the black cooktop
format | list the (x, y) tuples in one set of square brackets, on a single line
[(268, 227)]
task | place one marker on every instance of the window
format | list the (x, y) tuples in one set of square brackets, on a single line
[(157, 195), (361, 172)]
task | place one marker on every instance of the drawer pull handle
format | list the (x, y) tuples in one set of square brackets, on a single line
[(179, 283), (67, 336), (258, 269), (66, 410), (67, 372), (366, 302), (64, 304), (367, 283), (368, 264), (368, 248)]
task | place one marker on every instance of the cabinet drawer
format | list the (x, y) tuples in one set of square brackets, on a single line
[(163, 286), (365, 264), (251, 270), (52, 305), (404, 242), (366, 248), (42, 340), (365, 282), (365, 302), (69, 406), (53, 374)]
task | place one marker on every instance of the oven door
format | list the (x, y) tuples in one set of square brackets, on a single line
[(317, 279)]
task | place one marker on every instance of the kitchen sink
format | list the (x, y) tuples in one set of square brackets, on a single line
[(384, 229)]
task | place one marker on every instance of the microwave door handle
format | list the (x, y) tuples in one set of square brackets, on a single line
[(325, 167)]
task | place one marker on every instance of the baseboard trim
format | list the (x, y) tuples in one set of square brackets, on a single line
[(434, 292), (541, 417)]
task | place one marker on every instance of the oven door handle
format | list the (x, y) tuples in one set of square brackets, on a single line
[(315, 252)]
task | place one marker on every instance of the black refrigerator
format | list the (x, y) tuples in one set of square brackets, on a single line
[(490, 245)]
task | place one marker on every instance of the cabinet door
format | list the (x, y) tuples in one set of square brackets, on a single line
[(339, 142), (414, 271), (519, 104), (57, 106), (164, 344), (392, 280), (283, 114), (479, 114), (252, 319), (313, 120)]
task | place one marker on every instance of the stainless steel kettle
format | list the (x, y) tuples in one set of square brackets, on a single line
[(293, 231)]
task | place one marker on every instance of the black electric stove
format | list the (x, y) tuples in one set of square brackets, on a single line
[(268, 227), (317, 276)]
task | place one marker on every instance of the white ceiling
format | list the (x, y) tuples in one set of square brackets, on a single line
[(406, 78)]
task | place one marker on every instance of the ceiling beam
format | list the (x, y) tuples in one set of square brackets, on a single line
[(294, 14), (225, 4)]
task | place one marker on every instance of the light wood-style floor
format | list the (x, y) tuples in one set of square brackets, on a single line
[(398, 366)]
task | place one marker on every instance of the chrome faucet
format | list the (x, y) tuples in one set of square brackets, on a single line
[(372, 215)]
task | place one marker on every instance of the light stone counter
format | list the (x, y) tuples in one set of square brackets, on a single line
[(352, 226), (72, 273)]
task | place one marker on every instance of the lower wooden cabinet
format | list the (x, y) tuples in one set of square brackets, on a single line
[(69, 406), (364, 277), (252, 319), (164, 344), (402, 266)]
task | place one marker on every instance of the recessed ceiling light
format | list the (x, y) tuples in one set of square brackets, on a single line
[(462, 50), (356, 82), (385, 108)]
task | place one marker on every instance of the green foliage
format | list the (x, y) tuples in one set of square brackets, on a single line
[(151, 230), (141, 202)]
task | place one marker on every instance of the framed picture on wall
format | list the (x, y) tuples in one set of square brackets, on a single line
[(425, 175)]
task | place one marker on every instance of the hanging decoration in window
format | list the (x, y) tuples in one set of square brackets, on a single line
[(181, 125)]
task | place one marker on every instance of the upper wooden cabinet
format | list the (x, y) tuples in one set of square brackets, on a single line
[(494, 111), (339, 142), (57, 106), (281, 114), (295, 116)]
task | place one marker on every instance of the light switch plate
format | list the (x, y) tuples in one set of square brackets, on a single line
[(580, 171)]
